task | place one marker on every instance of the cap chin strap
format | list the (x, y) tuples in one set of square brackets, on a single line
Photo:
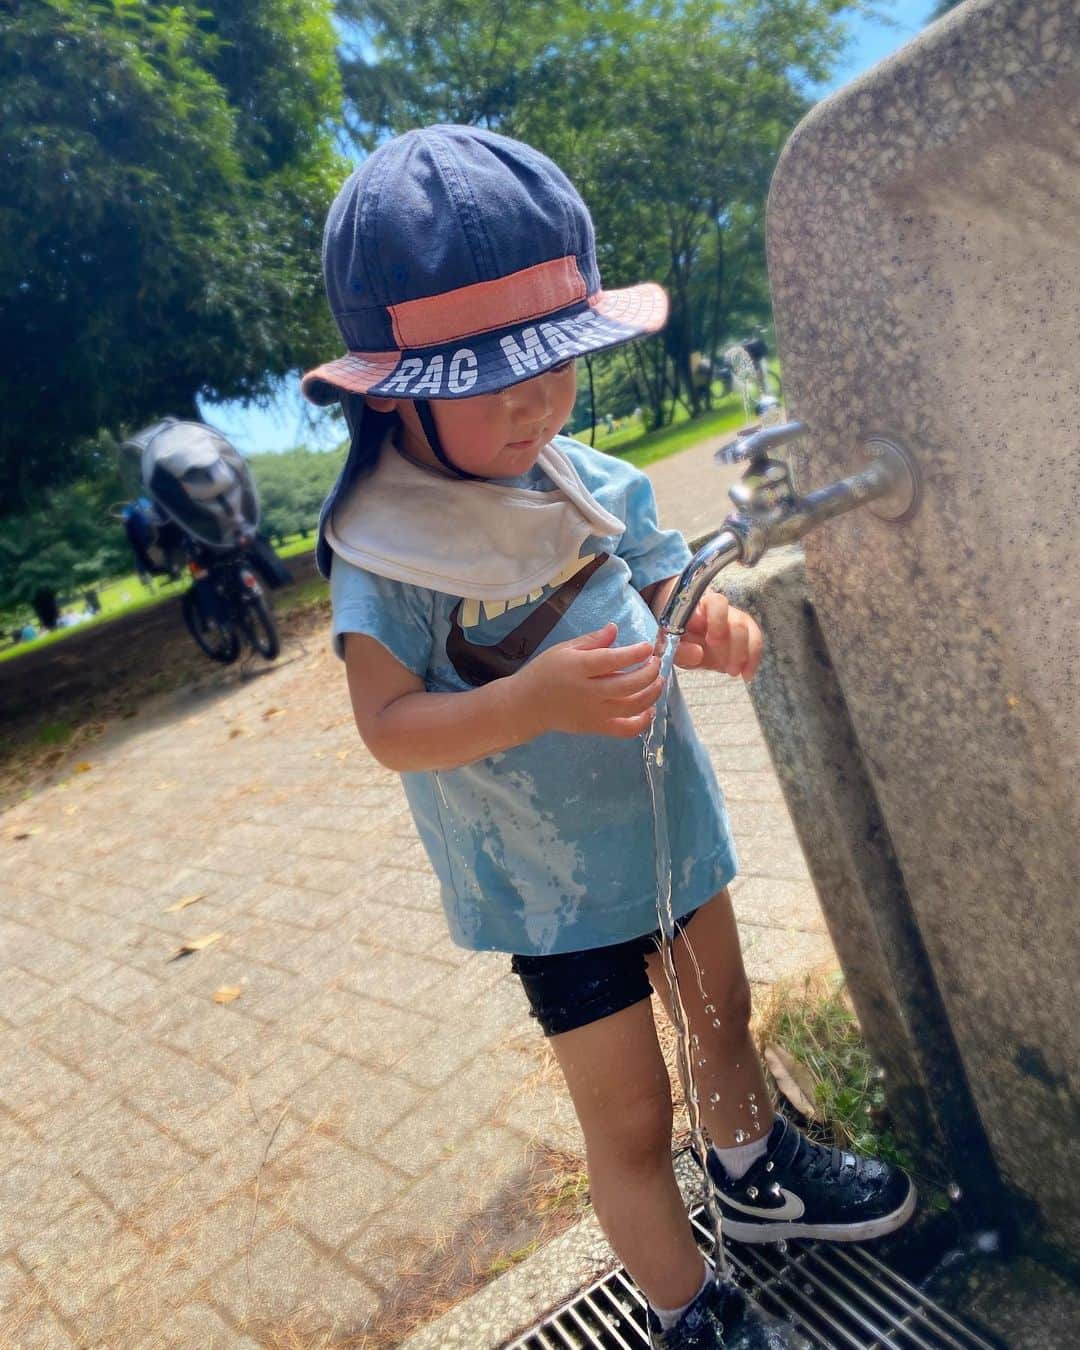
[(431, 431)]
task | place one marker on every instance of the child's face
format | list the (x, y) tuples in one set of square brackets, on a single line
[(493, 435)]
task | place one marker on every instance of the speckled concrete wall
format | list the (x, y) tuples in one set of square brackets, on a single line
[(924, 253)]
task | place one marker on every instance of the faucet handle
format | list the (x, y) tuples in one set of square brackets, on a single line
[(756, 445)]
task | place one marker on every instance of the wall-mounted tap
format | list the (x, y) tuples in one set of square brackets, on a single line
[(769, 511)]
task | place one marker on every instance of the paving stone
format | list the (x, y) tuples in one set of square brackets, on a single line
[(19, 991), (294, 1284), (354, 1101), (112, 987), (220, 1036), (487, 1171), (32, 1082), (34, 1330), (777, 903), (35, 1191), (397, 977), (297, 1063), (178, 1091), (769, 855), (123, 1157), (771, 956), (390, 927), (202, 1326), (317, 874), (376, 1034), (330, 1190), (446, 1116), (499, 1018), (81, 1256)]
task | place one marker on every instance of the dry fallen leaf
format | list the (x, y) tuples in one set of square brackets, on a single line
[(794, 1080), (183, 904), (343, 755), (84, 766), (28, 834), (195, 945), (236, 731), (227, 993), (274, 712)]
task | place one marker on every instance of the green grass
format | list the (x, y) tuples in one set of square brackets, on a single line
[(816, 1026), (126, 594)]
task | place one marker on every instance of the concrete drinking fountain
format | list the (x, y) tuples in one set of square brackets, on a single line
[(918, 692)]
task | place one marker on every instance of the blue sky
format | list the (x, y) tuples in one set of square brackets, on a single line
[(291, 421)]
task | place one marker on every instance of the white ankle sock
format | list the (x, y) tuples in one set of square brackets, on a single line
[(739, 1159), (669, 1316)]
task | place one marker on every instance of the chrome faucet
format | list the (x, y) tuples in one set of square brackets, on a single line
[(769, 511)]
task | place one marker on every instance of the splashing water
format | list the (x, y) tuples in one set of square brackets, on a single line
[(743, 373), (652, 745)]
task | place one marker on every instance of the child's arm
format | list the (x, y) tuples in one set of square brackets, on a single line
[(578, 686), (718, 636)]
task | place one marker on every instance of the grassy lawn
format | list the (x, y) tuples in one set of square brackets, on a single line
[(125, 595)]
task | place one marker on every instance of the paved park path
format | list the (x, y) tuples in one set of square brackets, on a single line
[(274, 1169)]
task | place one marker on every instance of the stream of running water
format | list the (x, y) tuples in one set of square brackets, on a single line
[(653, 747)]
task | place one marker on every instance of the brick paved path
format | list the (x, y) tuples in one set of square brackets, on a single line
[(174, 1171)]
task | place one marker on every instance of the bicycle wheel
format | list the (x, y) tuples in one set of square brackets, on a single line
[(260, 628), (218, 641)]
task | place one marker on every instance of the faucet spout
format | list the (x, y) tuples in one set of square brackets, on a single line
[(711, 558), (769, 512)]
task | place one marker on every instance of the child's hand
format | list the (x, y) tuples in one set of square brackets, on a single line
[(720, 637), (584, 686)]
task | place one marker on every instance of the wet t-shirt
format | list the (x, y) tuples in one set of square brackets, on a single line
[(548, 847)]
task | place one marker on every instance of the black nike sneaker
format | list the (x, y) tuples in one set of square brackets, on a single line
[(800, 1189), (723, 1318)]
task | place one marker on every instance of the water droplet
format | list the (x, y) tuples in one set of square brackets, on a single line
[(695, 1041), (709, 1008), (953, 1191), (781, 1247), (741, 1136), (751, 1096), (716, 1023), (660, 756), (714, 1097)]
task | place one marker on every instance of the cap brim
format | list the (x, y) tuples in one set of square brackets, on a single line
[(487, 362)]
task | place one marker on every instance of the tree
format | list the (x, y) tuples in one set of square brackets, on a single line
[(292, 487), (668, 115), (167, 169), (942, 8)]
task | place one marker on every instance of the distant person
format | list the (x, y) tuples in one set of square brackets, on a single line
[(501, 658), (609, 422), (92, 602), (45, 605)]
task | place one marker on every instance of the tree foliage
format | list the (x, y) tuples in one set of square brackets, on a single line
[(668, 115), (167, 169), (292, 487)]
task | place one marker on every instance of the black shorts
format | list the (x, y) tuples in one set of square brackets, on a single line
[(572, 989)]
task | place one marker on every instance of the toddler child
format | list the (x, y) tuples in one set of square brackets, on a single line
[(495, 589)]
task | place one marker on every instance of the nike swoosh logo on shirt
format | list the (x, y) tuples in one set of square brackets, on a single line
[(792, 1208), (479, 663)]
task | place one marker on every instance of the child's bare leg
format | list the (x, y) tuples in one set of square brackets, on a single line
[(616, 1075), (730, 1082)]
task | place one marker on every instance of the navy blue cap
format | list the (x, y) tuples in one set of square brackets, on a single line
[(459, 262)]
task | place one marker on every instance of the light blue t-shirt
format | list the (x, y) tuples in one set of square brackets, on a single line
[(548, 847)]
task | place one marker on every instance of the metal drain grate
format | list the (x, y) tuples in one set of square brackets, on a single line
[(839, 1297)]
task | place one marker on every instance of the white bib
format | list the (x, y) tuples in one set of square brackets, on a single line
[(477, 540)]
